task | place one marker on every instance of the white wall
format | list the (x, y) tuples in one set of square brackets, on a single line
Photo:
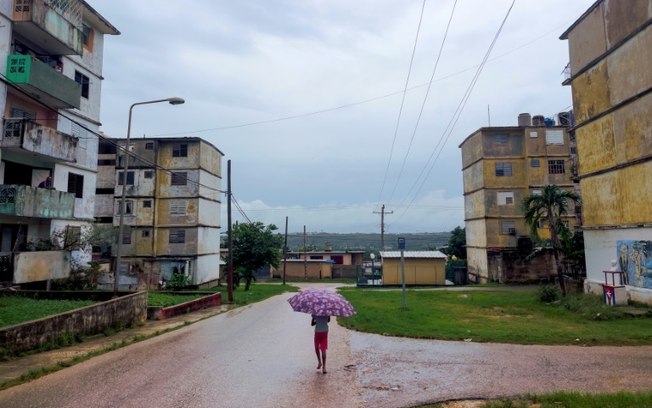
[(600, 249), (207, 268)]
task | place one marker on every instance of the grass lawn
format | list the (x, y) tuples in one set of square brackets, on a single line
[(256, 292), (162, 299), (568, 400), (493, 316), (17, 309)]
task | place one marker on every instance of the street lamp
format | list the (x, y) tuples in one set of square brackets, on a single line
[(172, 101)]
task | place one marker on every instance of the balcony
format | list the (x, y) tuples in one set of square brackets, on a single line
[(56, 26), (27, 135), (27, 201), (44, 83)]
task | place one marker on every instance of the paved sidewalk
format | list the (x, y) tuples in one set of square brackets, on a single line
[(13, 369)]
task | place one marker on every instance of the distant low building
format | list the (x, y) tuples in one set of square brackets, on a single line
[(421, 267), (345, 264)]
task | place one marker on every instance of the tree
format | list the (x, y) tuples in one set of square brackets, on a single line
[(549, 207), (254, 246), (457, 243)]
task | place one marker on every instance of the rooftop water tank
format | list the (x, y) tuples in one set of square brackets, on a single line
[(524, 119), (537, 120)]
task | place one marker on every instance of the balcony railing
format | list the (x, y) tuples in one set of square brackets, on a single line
[(28, 135), (27, 201), (43, 82), (53, 24)]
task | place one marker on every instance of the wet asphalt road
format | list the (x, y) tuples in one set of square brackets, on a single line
[(262, 356)]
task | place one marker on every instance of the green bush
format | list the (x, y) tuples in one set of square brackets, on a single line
[(549, 293), (178, 281)]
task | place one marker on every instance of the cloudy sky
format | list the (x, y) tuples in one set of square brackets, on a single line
[(324, 106)]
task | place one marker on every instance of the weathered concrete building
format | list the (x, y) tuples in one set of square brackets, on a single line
[(172, 208), (610, 48), (51, 63), (501, 166)]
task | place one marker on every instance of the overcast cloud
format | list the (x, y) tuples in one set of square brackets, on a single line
[(242, 62)]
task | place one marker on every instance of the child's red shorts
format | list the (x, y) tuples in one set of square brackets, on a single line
[(321, 341)]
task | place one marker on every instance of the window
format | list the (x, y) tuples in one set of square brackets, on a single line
[(130, 178), (149, 174), (535, 163), (76, 184), (149, 146), (145, 233), (503, 169), (129, 207), (73, 236), (179, 179), (126, 237), (178, 209), (536, 192), (106, 162), (554, 136), (505, 197), (147, 203), (534, 134), (556, 167), (508, 228), (502, 139), (105, 191), (180, 150), (85, 83), (177, 236), (87, 37)]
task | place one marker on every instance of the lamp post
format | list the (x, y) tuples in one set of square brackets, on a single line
[(125, 167)]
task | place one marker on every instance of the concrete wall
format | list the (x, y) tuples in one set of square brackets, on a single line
[(207, 268), (417, 271), (295, 270), (41, 265), (159, 313), (125, 310)]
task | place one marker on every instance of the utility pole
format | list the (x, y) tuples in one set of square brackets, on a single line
[(382, 225), (229, 282), (305, 255), (285, 249)]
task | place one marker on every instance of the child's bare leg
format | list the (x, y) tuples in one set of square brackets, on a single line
[(319, 364), (323, 360)]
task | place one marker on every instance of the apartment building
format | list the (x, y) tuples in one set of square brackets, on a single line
[(610, 49), (50, 91), (500, 167), (172, 208)]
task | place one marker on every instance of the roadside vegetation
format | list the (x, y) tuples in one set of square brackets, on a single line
[(560, 400), (514, 316), (18, 309)]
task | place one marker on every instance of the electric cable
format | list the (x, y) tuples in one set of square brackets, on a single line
[(400, 111)]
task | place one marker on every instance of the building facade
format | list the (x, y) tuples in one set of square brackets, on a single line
[(500, 167), (51, 58), (610, 49), (172, 208)]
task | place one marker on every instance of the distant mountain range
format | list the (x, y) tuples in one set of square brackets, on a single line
[(368, 242)]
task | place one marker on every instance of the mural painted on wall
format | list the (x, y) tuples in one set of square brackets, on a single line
[(635, 258)]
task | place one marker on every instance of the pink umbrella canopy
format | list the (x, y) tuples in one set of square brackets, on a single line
[(320, 302)]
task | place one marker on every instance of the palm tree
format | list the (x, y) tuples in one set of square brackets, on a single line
[(549, 206)]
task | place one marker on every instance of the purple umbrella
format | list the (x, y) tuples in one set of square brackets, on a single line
[(321, 302)]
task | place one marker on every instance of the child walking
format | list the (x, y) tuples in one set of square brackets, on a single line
[(321, 339)]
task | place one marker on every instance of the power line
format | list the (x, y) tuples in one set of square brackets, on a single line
[(364, 101), (400, 111), (423, 103), (456, 115)]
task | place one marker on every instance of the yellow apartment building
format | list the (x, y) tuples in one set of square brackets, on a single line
[(501, 166), (610, 48)]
